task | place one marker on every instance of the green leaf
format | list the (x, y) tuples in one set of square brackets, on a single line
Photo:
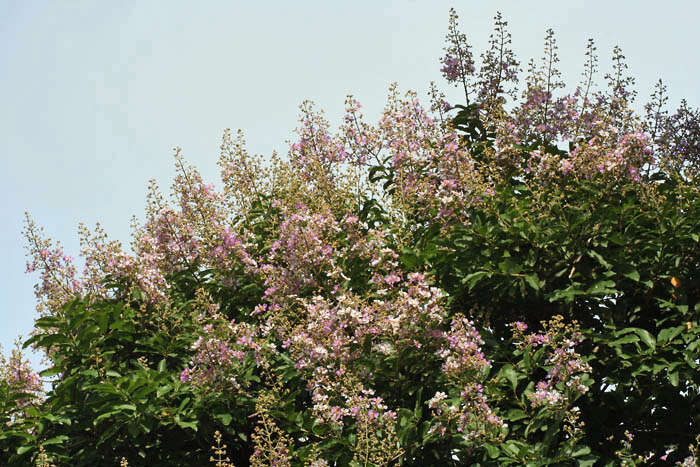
[(50, 340), (668, 334), (673, 378), (510, 266), (31, 341), (225, 418), (633, 275), (192, 425), (595, 255), (22, 449), (131, 407), (515, 414), (55, 440), (47, 322), (659, 366), (646, 337), (318, 428), (405, 417), (581, 451), (534, 282), (628, 339), (183, 404), (567, 294), (508, 371), (641, 370), (513, 447), (604, 287), (53, 371), (103, 416), (418, 409), (492, 450), (472, 279), (409, 258), (587, 461)]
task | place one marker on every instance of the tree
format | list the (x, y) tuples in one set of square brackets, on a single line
[(498, 282)]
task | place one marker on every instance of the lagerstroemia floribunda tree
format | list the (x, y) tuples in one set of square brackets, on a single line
[(510, 280)]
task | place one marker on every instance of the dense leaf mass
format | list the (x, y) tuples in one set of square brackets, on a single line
[(512, 280)]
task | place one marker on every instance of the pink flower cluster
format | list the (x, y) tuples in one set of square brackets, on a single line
[(566, 369), (58, 281), (450, 68), (458, 62), (17, 374), (221, 353), (304, 256), (317, 153), (433, 167), (471, 414), (462, 356)]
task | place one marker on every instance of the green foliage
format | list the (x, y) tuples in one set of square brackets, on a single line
[(116, 390)]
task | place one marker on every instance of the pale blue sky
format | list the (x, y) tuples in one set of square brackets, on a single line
[(93, 95)]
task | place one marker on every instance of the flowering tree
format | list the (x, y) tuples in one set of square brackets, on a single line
[(511, 280)]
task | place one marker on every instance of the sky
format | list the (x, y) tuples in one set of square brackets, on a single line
[(94, 96)]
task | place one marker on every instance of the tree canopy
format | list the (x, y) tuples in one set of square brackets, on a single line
[(509, 280)]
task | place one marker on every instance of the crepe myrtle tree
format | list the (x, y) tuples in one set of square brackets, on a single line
[(504, 281)]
